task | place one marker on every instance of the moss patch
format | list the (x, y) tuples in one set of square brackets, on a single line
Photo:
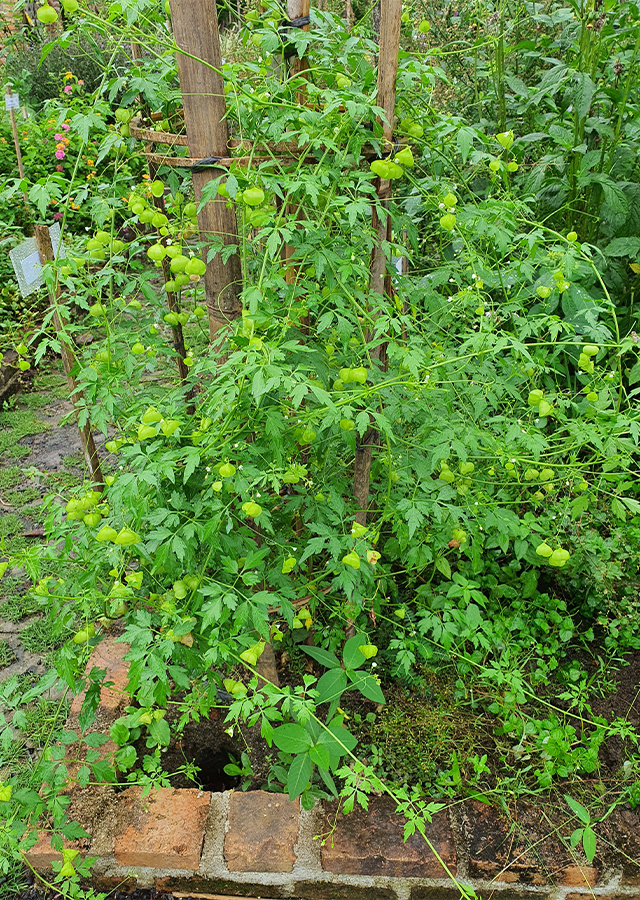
[(39, 638), (415, 734), (16, 424)]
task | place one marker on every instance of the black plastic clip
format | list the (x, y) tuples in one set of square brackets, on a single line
[(288, 49), (300, 22), (210, 162)]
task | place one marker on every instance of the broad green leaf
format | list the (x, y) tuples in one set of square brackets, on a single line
[(367, 685), (337, 740), (578, 809), (331, 685), (351, 654), (582, 90), (291, 738), (160, 732), (299, 775), (442, 565), (589, 843), (319, 755)]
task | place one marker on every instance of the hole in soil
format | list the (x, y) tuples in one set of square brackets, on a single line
[(212, 776), (207, 746)]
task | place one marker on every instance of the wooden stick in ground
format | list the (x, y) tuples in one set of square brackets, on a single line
[(390, 20), (296, 9), (16, 141), (195, 29), (45, 250)]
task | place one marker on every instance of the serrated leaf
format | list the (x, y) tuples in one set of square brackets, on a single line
[(617, 508), (623, 246), (582, 90)]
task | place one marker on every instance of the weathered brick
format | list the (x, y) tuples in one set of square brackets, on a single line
[(108, 655), (500, 893), (501, 850), (588, 894), (191, 896), (326, 890), (41, 855), (434, 892), (261, 833), (194, 885), (164, 830), (370, 842), (86, 806), (579, 876)]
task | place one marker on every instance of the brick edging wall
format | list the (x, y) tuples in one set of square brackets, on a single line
[(258, 844)]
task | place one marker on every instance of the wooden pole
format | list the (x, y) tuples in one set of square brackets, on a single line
[(45, 250), (16, 141), (195, 29), (390, 21), (296, 9)]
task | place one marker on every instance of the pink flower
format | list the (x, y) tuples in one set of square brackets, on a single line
[(68, 88), (59, 154), (59, 168), (58, 137), (80, 81), (65, 127), (57, 215)]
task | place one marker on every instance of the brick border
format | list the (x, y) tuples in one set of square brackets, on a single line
[(255, 844)]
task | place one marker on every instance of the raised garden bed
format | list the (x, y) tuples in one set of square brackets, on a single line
[(259, 844)]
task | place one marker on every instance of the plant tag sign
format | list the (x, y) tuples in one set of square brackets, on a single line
[(26, 261), (11, 101)]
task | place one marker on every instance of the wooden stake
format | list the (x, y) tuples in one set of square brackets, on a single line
[(16, 141), (195, 29), (45, 250), (390, 21)]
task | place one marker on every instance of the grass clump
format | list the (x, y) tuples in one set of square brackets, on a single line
[(18, 605), (7, 655), (38, 637)]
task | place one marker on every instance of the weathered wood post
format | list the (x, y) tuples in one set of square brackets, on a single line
[(195, 29), (390, 21)]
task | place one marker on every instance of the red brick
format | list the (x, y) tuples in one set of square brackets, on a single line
[(262, 831), (108, 655), (164, 830), (371, 843), (42, 854), (579, 876)]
